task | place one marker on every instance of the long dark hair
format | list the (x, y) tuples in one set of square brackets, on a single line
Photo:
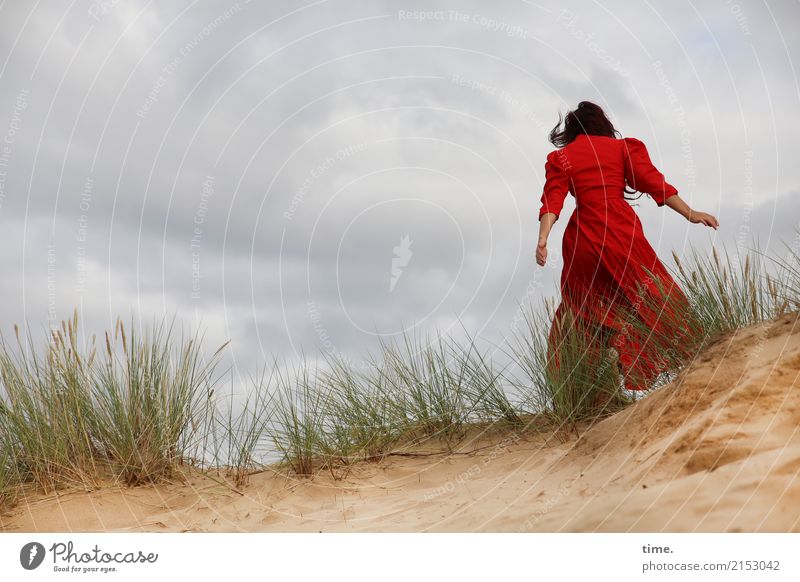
[(588, 118)]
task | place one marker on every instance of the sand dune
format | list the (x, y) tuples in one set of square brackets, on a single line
[(716, 450)]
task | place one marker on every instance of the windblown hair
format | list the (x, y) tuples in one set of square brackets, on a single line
[(588, 118)]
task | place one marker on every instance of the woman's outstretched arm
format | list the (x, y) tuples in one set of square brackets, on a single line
[(679, 205)]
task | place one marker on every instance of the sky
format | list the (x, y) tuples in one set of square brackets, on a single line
[(304, 178)]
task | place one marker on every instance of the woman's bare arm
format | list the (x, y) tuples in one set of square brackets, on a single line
[(545, 225), (678, 205)]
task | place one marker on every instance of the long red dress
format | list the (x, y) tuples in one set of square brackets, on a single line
[(604, 247)]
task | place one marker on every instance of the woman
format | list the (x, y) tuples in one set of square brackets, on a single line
[(604, 248)]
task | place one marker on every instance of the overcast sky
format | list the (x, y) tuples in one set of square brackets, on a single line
[(305, 176)]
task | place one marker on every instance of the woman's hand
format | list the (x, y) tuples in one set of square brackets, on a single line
[(704, 218), (541, 252)]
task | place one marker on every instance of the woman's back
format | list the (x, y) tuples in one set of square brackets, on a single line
[(596, 168)]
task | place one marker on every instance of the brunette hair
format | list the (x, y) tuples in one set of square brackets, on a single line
[(588, 118)]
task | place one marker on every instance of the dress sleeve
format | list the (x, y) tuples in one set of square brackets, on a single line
[(642, 175), (556, 187)]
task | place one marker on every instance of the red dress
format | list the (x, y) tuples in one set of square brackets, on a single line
[(604, 247)]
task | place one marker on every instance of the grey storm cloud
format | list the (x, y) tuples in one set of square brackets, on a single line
[(252, 167)]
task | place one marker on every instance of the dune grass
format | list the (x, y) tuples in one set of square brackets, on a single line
[(297, 427), (47, 412), (235, 436), (583, 384), (140, 406), (75, 416), (730, 294), (431, 391), (363, 417), (414, 390), (8, 479), (148, 401)]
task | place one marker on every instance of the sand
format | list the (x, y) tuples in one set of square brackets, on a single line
[(717, 450)]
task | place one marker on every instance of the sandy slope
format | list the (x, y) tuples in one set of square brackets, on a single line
[(716, 450)]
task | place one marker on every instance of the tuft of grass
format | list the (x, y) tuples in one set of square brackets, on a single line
[(242, 433), (72, 418), (429, 384), (527, 346), (362, 420), (784, 286), (727, 294), (149, 401), (47, 411), (8, 478), (298, 422), (485, 387)]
